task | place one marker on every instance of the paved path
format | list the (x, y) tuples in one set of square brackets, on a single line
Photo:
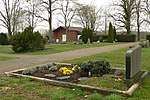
[(33, 60)]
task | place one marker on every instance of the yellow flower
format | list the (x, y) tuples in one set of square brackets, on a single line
[(76, 66), (65, 71)]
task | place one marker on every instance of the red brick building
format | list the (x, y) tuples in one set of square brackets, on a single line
[(59, 34)]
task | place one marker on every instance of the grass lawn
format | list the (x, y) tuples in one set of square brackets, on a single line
[(13, 88), (5, 58), (56, 48), (6, 49), (117, 59)]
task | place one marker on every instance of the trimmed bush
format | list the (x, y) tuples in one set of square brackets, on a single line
[(97, 68), (126, 38), (28, 41), (110, 34), (87, 33), (148, 37), (99, 38), (3, 39)]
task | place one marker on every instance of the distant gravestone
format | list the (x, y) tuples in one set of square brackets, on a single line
[(88, 42), (133, 62)]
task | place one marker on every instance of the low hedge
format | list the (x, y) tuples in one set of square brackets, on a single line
[(97, 37), (120, 38), (126, 38), (148, 37)]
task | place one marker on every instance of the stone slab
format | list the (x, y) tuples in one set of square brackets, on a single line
[(133, 62)]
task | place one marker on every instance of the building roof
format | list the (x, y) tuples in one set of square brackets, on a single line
[(79, 29)]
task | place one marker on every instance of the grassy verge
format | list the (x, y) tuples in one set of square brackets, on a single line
[(26, 89), (23, 88), (6, 58), (6, 49), (56, 48), (117, 59)]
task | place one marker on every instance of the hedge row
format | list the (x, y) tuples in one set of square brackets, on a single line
[(148, 37), (126, 38), (119, 38), (97, 37)]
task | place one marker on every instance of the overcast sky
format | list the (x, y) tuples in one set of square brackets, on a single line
[(98, 3)]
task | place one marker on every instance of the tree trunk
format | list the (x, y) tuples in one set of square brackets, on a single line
[(50, 21)]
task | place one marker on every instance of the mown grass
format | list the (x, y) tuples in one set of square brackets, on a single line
[(56, 48), (6, 49), (24, 88), (103, 82), (117, 59), (6, 58)]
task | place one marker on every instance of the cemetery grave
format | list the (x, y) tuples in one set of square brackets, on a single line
[(68, 75)]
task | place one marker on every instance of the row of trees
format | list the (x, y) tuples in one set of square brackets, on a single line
[(17, 14)]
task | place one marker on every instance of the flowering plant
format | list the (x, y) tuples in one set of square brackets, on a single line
[(76, 67), (65, 71)]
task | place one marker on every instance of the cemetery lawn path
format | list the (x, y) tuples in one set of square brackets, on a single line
[(34, 60)]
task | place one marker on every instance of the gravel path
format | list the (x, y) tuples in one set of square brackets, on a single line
[(33, 60)]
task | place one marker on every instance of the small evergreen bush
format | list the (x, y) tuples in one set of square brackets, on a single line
[(97, 68), (28, 41), (114, 32), (87, 33), (110, 34), (3, 39)]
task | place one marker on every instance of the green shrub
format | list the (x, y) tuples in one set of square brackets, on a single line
[(148, 37), (97, 68), (95, 96), (99, 38), (126, 38), (3, 39), (28, 41), (110, 34), (87, 33), (114, 30), (29, 71)]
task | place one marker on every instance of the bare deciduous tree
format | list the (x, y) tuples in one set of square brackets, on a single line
[(138, 8), (147, 10), (10, 13), (124, 11), (89, 16), (32, 8), (67, 11)]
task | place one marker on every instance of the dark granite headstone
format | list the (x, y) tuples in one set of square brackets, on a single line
[(133, 62)]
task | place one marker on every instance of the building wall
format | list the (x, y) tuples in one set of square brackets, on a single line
[(72, 35)]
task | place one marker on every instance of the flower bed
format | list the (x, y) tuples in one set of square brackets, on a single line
[(69, 73)]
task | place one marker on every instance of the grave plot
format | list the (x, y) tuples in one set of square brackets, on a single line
[(97, 76)]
